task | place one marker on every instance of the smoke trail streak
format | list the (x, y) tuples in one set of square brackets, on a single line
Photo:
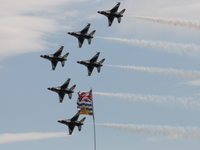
[(190, 49), (190, 74), (176, 22), (17, 137), (185, 102), (166, 131)]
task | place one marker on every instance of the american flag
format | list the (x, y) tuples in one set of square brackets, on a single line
[(84, 103)]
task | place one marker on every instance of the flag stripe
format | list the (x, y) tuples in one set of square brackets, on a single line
[(84, 103)]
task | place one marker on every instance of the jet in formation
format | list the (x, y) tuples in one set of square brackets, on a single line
[(111, 14), (54, 58), (71, 123), (82, 35), (62, 90), (90, 64)]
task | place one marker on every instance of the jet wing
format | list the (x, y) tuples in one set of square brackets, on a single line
[(65, 85), (85, 30), (80, 41), (115, 8), (53, 64), (61, 96), (59, 51), (90, 69), (71, 128), (95, 57), (110, 20), (75, 118)]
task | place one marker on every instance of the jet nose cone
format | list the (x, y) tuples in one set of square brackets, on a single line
[(41, 55), (98, 11), (78, 61), (68, 32), (59, 121), (49, 88)]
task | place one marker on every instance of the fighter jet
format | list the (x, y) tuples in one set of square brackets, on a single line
[(54, 58), (111, 14), (90, 64), (62, 90), (82, 35), (71, 123)]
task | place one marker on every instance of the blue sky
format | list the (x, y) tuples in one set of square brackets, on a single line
[(32, 28)]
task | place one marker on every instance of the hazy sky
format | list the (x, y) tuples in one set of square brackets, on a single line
[(146, 96)]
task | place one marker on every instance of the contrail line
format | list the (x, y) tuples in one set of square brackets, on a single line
[(189, 74), (32, 136), (185, 102), (166, 131), (190, 49), (171, 21)]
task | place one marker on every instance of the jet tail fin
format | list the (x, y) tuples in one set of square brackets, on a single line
[(119, 19), (79, 127), (102, 61), (89, 41), (92, 33), (121, 12), (73, 87), (70, 95), (65, 55), (63, 62), (99, 68), (82, 119)]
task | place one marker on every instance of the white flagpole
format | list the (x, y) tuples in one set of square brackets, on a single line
[(93, 121)]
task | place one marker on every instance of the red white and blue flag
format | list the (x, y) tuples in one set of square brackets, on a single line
[(85, 103)]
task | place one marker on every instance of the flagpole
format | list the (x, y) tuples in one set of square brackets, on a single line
[(93, 122), (94, 133)]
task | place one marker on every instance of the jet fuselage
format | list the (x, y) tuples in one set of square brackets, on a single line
[(108, 13), (88, 63), (52, 57), (69, 122), (79, 35), (60, 90)]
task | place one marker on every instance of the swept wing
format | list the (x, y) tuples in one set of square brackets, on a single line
[(59, 51), (110, 20), (90, 69), (61, 96), (95, 57), (115, 8), (85, 30), (71, 128), (65, 85), (54, 64), (80, 41)]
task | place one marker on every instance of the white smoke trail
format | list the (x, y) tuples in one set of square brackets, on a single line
[(166, 131), (176, 22), (190, 74), (17, 137), (190, 49), (185, 102)]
